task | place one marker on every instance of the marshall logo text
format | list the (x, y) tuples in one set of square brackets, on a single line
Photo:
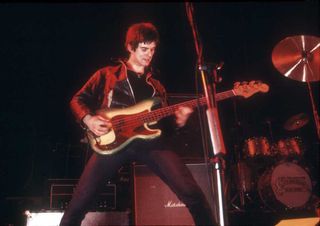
[(171, 204)]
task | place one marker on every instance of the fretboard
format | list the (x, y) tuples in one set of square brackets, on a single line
[(160, 113)]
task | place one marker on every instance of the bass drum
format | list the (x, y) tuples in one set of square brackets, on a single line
[(285, 186)]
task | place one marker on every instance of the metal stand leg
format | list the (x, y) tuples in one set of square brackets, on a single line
[(218, 167)]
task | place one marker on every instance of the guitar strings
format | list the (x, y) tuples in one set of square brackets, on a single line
[(129, 121)]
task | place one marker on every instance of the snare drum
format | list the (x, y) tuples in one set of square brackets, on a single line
[(257, 146), (287, 185), (289, 147)]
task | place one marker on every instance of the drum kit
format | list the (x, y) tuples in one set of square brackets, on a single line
[(274, 173)]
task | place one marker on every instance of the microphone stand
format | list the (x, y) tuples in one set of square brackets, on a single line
[(218, 149)]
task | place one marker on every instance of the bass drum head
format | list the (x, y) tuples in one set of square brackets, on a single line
[(285, 186)]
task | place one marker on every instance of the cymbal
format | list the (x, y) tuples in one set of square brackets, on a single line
[(298, 58), (296, 122)]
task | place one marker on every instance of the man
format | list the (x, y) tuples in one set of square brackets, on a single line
[(119, 86)]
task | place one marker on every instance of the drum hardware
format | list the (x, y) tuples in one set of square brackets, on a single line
[(244, 199), (241, 177), (298, 58), (243, 180), (296, 122), (268, 121)]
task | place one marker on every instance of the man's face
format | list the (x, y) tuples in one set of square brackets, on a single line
[(143, 54)]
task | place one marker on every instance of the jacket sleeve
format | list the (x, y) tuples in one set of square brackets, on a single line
[(87, 100)]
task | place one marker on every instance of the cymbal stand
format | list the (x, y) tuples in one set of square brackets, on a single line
[(240, 193), (314, 111), (242, 180), (270, 130)]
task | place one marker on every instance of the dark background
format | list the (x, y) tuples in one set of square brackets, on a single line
[(49, 50)]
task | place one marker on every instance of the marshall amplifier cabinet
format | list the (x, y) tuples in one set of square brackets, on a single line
[(156, 204), (61, 191)]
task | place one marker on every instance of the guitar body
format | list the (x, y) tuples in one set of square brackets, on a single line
[(128, 128)]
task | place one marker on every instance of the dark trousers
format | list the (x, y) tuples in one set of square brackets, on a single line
[(163, 162)]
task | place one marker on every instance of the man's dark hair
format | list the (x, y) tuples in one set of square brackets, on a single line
[(141, 32)]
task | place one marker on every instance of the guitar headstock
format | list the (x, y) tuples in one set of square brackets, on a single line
[(247, 89)]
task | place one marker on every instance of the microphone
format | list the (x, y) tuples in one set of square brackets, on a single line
[(210, 66)]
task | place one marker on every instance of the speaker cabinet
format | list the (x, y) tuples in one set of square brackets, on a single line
[(61, 191), (156, 204)]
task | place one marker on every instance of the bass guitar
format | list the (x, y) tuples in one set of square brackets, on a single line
[(132, 122)]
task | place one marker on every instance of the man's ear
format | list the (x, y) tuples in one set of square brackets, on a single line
[(129, 48)]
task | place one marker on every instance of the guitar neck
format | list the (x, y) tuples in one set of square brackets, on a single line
[(170, 110)]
